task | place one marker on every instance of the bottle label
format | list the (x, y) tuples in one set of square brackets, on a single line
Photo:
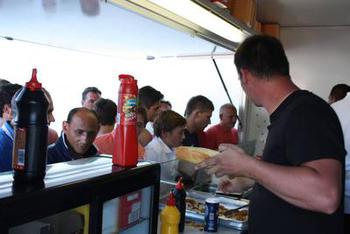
[(128, 112), (18, 153)]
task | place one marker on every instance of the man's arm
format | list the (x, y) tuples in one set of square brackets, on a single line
[(315, 185)]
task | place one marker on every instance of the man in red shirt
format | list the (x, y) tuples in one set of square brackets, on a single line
[(223, 132)]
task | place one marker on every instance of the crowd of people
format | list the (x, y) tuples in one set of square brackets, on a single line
[(90, 129), (300, 177)]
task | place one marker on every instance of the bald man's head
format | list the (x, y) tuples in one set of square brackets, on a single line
[(81, 129), (228, 115)]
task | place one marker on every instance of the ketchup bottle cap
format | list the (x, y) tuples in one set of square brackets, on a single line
[(33, 84), (125, 77), (179, 184), (171, 200)]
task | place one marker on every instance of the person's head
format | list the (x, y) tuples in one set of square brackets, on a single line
[(7, 107), (141, 119), (50, 117), (198, 112), (338, 92), (5, 103), (149, 98), (143, 136), (80, 129), (89, 96), (170, 126), (228, 115), (4, 82), (106, 111), (263, 58), (165, 105)]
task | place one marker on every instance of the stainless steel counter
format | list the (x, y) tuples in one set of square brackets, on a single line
[(222, 230), (189, 229)]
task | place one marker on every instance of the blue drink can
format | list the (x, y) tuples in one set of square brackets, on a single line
[(211, 214)]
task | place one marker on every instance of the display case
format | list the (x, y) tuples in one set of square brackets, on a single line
[(83, 196)]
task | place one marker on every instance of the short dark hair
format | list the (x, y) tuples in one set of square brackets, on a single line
[(263, 56), (167, 121), (7, 92), (10, 88), (4, 99), (198, 102), (73, 111), (148, 96), (88, 90), (4, 82), (106, 111), (339, 91)]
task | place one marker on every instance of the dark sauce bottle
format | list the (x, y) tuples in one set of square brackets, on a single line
[(31, 130), (180, 200)]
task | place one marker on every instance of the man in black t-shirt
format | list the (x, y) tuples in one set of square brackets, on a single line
[(300, 179), (198, 113)]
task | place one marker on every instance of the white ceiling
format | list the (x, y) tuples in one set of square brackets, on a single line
[(95, 26), (305, 13), (66, 23)]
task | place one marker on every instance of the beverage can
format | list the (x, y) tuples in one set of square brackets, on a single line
[(211, 214)]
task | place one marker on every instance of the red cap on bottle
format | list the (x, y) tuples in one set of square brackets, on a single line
[(33, 84), (171, 200), (126, 76), (179, 184)]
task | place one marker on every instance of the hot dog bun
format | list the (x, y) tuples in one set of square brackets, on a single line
[(194, 154)]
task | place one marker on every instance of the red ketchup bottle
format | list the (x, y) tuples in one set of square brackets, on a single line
[(126, 144), (31, 129)]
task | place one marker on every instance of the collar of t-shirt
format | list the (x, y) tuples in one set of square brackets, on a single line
[(91, 151), (191, 139), (8, 129), (274, 115), (166, 148)]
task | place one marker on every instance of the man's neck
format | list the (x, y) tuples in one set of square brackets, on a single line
[(226, 127), (190, 127), (276, 92), (105, 129)]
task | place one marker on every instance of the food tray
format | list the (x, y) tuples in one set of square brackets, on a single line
[(226, 202)]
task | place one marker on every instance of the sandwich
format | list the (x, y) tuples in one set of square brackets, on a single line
[(194, 154)]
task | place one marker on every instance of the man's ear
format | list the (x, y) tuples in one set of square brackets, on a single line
[(164, 134), (65, 126), (7, 109), (220, 116), (193, 114), (245, 76), (196, 112)]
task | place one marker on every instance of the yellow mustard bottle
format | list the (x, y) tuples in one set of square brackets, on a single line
[(170, 217)]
